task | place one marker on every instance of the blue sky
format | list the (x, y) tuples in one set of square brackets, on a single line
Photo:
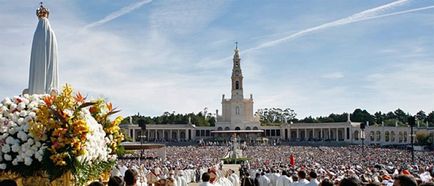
[(316, 57)]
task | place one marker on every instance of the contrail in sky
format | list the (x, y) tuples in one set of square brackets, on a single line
[(118, 13), (400, 12), (364, 15)]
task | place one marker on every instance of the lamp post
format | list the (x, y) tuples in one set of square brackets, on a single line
[(142, 125), (362, 135), (412, 123)]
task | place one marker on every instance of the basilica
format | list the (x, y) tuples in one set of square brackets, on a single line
[(237, 117)]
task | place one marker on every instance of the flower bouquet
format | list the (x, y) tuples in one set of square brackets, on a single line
[(54, 135)]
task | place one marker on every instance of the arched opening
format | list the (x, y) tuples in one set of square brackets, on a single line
[(182, 135), (356, 135), (405, 136), (400, 137), (227, 128), (378, 135), (255, 128), (237, 128), (372, 135), (248, 128), (220, 128), (392, 136), (387, 136), (237, 85)]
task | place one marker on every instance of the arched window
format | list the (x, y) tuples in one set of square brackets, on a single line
[(387, 136), (405, 136), (255, 128), (237, 85), (247, 128), (237, 128), (220, 128), (356, 135), (227, 128), (400, 136), (378, 134), (392, 136), (372, 135), (237, 110)]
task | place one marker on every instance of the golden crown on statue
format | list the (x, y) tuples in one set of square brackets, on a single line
[(42, 11)]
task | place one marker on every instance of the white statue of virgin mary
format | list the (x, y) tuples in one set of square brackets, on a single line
[(43, 77)]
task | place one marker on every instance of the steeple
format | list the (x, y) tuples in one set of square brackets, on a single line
[(237, 76)]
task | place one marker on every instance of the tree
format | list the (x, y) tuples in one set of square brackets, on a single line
[(421, 116), (401, 115), (390, 115), (379, 117), (276, 115), (360, 115)]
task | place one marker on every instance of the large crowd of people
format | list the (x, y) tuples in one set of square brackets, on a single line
[(279, 166)]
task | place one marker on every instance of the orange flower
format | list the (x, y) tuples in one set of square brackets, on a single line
[(79, 98), (49, 100), (110, 106)]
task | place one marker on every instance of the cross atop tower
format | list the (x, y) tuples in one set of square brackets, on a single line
[(236, 45)]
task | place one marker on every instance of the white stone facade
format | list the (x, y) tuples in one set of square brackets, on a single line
[(237, 114)]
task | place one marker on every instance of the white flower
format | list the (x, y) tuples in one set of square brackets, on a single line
[(28, 161), (12, 106), (38, 157), (22, 135), (32, 114), (24, 113), (10, 140), (6, 148), (7, 157), (20, 121), (26, 128), (15, 162), (2, 166), (29, 153), (6, 101), (21, 106), (20, 158), (15, 148)]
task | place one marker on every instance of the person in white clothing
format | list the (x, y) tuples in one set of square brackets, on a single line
[(264, 180), (205, 180), (181, 179), (313, 179), (273, 177), (284, 180), (301, 178), (235, 177)]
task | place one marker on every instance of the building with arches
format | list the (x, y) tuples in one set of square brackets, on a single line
[(238, 117)]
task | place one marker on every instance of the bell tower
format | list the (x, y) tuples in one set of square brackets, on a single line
[(237, 76)]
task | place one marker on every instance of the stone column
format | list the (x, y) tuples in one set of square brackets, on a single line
[(345, 134), (178, 135), (329, 134), (336, 134), (134, 135)]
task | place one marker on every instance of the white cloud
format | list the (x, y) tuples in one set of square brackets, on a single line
[(184, 17)]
